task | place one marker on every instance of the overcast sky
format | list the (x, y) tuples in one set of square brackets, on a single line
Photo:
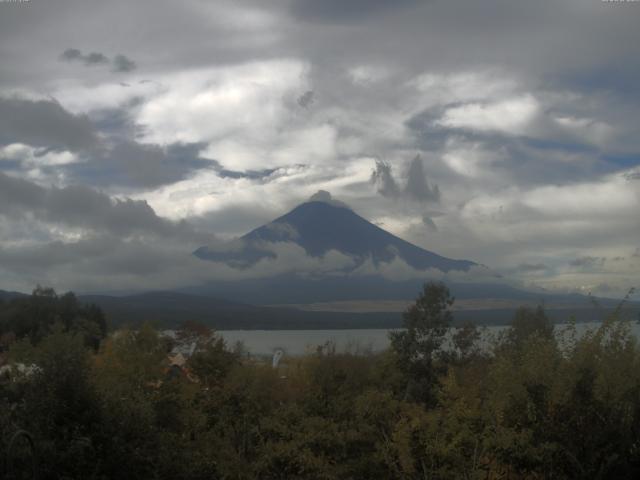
[(504, 132)]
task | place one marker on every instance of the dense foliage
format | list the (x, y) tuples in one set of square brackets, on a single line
[(440, 403)]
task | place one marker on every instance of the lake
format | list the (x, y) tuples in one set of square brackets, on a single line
[(299, 342)]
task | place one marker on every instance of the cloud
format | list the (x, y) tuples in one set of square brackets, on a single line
[(521, 140), (417, 187), (398, 270), (120, 63), (335, 11), (512, 116), (532, 267), (44, 123), (123, 64), (384, 180), (112, 263), (247, 114), (45, 140), (90, 59), (306, 99), (325, 197), (28, 158), (429, 223), (129, 163), (587, 262), (79, 207)]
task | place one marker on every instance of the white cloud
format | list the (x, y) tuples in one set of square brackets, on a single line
[(471, 160), (470, 86), (241, 111), (587, 129), (513, 116), (79, 97), (365, 75), (30, 157)]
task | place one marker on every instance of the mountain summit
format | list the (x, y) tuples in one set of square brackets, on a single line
[(323, 224)]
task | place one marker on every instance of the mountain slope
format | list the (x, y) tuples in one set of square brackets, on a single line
[(319, 227), (6, 295)]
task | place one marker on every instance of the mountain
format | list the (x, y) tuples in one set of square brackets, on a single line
[(342, 298), (6, 296), (319, 227)]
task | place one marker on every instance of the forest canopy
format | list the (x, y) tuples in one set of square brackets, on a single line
[(440, 402)]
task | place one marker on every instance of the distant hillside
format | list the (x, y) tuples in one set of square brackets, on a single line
[(169, 309), (5, 295), (293, 289)]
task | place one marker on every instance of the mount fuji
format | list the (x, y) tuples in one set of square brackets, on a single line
[(323, 226)]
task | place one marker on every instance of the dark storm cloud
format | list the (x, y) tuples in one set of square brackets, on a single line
[(123, 64), (429, 223), (71, 54), (383, 179), (95, 58), (417, 187), (90, 59), (83, 207), (338, 11), (116, 122), (249, 174), (306, 99), (132, 262), (44, 123), (129, 163), (121, 161), (120, 63)]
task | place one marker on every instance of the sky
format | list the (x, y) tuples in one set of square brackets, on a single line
[(503, 132)]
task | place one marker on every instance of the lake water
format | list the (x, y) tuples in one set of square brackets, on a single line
[(299, 342)]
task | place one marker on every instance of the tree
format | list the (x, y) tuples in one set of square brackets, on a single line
[(466, 342), (527, 322), (61, 407), (416, 347), (34, 317), (212, 362)]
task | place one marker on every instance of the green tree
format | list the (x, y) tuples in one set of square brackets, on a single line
[(212, 361), (466, 342), (417, 346), (34, 316), (528, 321), (61, 406)]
